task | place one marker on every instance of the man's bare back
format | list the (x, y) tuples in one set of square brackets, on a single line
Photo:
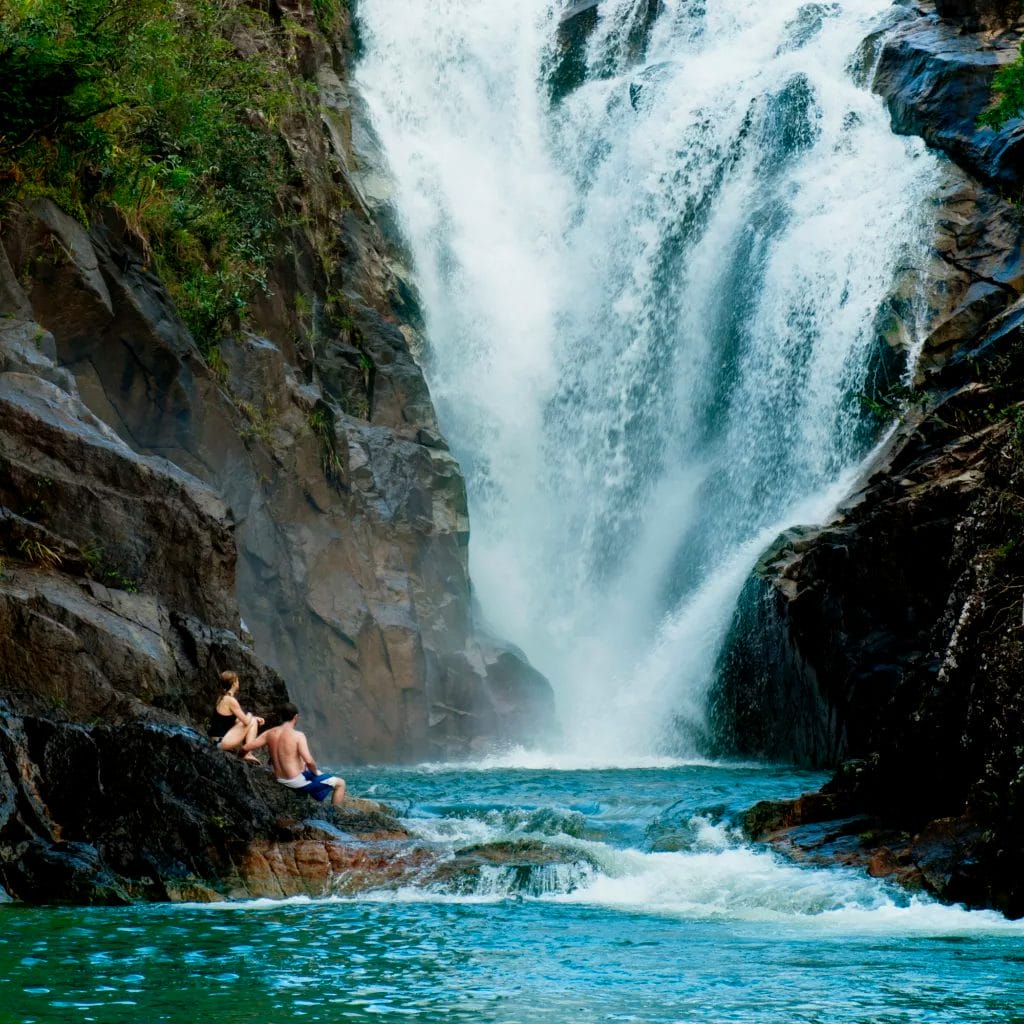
[(289, 751), (293, 763)]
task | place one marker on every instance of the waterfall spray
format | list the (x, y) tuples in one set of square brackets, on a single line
[(650, 308)]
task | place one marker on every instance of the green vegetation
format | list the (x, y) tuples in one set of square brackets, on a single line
[(146, 106), (321, 422), (329, 14), (1008, 86), (890, 404), (36, 552), (1016, 417), (1001, 553), (215, 361), (105, 572), (341, 318), (260, 426), (1008, 90)]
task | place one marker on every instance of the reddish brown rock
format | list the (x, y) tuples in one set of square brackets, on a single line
[(328, 866)]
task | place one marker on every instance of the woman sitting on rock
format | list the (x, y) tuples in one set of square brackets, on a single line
[(230, 726)]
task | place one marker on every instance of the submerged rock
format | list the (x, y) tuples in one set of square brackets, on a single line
[(322, 862), (948, 857)]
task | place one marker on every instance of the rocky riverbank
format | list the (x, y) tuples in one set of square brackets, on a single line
[(280, 502), (893, 636)]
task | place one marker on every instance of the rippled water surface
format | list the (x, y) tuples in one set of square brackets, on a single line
[(668, 917)]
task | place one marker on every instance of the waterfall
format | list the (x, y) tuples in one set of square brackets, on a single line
[(651, 303)]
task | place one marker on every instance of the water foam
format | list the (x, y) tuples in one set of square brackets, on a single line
[(743, 884), (542, 760), (718, 877), (650, 308), (718, 880), (628, 842)]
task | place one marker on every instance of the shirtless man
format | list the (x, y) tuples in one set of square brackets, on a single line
[(293, 763)]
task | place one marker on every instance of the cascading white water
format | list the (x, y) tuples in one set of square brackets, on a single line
[(650, 308)]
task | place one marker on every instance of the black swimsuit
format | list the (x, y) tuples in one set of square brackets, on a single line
[(219, 725)]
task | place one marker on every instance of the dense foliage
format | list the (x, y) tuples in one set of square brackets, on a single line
[(1008, 88), (147, 106)]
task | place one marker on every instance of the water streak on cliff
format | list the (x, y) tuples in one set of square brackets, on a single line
[(651, 305)]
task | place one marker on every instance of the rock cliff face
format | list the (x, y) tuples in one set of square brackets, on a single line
[(894, 635), (285, 506), (315, 427)]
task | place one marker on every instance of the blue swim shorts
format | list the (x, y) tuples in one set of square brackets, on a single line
[(318, 787)]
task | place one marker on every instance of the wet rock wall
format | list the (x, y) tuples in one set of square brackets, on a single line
[(893, 636)]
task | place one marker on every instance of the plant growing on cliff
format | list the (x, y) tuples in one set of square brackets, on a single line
[(330, 15), (36, 552), (1008, 93), (889, 404), (105, 572), (145, 105), (321, 422), (1017, 429), (260, 426), (218, 366)]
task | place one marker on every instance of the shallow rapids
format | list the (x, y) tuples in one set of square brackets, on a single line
[(659, 914)]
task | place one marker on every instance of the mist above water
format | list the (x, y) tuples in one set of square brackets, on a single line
[(650, 308)]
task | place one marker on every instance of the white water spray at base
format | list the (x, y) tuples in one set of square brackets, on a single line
[(650, 307)]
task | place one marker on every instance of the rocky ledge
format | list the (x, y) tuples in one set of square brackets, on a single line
[(117, 608), (279, 501), (892, 637), (117, 611), (935, 72)]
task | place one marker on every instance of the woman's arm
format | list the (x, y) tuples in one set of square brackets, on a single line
[(236, 709)]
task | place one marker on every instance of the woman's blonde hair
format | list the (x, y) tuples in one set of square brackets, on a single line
[(228, 679)]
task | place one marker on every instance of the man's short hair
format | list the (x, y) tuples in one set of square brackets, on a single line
[(286, 712)]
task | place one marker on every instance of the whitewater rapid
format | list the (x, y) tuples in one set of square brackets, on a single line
[(658, 839), (651, 306)]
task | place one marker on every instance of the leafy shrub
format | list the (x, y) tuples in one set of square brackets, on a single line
[(329, 14), (1008, 90), (147, 105)]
